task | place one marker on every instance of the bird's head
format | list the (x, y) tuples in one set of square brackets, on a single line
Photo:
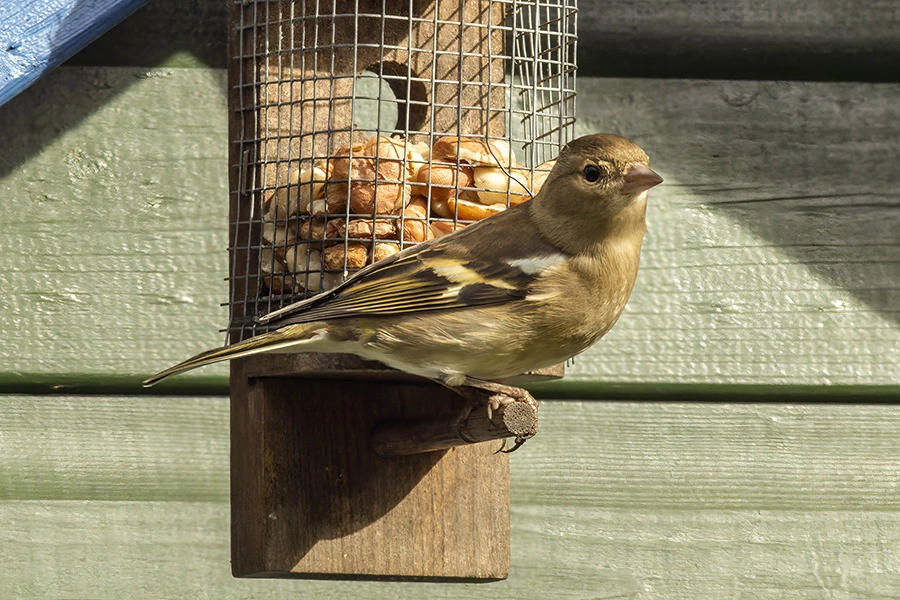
[(598, 185)]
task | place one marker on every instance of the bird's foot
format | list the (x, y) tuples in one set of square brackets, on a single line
[(515, 407)]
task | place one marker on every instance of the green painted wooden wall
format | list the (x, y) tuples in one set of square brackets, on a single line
[(735, 436)]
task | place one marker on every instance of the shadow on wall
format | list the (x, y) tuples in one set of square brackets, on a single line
[(808, 168), (154, 34)]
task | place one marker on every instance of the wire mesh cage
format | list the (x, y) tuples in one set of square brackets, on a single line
[(361, 127)]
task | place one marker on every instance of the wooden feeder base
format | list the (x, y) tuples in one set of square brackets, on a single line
[(310, 498)]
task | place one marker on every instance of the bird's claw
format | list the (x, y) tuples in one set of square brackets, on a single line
[(520, 441), (519, 408), (495, 402)]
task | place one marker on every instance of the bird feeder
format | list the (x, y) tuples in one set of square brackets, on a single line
[(357, 129)]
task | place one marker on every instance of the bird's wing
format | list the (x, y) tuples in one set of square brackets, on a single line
[(452, 272)]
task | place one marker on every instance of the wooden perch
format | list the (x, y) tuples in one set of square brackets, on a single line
[(494, 412)]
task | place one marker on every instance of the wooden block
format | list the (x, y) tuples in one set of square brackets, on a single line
[(310, 497)]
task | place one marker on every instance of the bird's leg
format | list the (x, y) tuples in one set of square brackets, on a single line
[(522, 421), (493, 394)]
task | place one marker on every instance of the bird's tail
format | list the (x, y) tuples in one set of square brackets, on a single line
[(266, 342)]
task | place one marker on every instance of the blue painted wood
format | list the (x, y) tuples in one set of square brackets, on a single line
[(38, 35)]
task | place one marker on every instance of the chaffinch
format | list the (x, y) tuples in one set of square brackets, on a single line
[(527, 288)]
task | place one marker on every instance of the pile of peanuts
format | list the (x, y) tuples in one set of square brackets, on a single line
[(368, 201)]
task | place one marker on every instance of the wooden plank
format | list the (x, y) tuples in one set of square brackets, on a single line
[(37, 36), (115, 221), (824, 40), (710, 456), (128, 498), (614, 454), (772, 255), (115, 449), (122, 551)]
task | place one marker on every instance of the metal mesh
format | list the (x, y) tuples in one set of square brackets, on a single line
[(361, 127)]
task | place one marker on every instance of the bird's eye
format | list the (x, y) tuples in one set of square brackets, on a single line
[(591, 173)]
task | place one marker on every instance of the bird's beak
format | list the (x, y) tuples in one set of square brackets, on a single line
[(640, 178)]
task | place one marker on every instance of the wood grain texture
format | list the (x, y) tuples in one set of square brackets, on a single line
[(114, 221), (116, 449), (744, 39), (310, 496), (773, 254), (612, 499)]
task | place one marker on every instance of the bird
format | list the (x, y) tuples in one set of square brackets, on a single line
[(524, 289)]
